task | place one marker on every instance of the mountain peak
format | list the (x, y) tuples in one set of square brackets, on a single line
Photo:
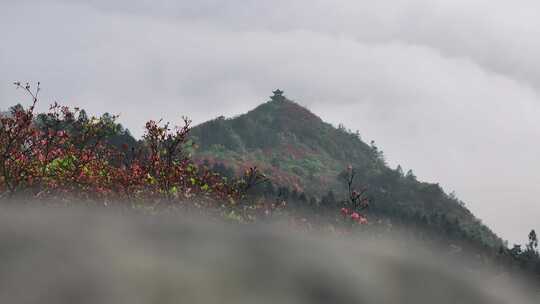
[(283, 128), (284, 112), (296, 148), (277, 122)]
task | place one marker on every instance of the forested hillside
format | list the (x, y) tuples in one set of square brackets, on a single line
[(297, 149)]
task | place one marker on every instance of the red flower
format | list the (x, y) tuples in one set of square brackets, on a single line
[(359, 218), (344, 211)]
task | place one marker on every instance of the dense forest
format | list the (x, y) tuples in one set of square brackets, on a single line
[(296, 148), (276, 160)]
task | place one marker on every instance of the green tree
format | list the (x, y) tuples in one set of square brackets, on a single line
[(410, 175)]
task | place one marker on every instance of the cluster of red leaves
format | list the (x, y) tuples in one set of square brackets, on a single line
[(356, 217), (64, 155)]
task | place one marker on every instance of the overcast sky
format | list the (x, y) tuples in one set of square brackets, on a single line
[(447, 88)]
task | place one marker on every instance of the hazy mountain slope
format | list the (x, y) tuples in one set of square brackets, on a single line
[(297, 149), (286, 139)]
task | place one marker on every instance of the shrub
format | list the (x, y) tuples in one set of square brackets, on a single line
[(64, 155)]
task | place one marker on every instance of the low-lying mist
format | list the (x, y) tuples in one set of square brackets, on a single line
[(71, 255)]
